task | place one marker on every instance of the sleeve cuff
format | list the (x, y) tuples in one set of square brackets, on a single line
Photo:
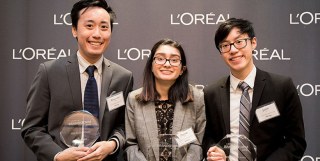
[(55, 157), (117, 144)]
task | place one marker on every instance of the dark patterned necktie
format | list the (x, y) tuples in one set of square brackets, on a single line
[(91, 101), (244, 126)]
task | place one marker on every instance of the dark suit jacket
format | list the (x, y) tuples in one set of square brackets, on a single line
[(142, 130), (278, 139), (56, 91)]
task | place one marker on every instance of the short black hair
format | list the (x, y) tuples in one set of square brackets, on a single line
[(77, 7), (225, 28)]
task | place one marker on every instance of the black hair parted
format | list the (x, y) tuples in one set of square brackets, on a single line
[(77, 7), (225, 28)]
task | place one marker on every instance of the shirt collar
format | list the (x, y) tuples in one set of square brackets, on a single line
[(249, 79), (83, 64)]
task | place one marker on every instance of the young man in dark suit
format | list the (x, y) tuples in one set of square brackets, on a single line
[(274, 114), (59, 88)]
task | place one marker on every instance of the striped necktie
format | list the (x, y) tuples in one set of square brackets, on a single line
[(245, 107), (244, 125)]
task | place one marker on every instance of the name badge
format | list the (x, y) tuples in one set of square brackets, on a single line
[(115, 101), (185, 137), (267, 112)]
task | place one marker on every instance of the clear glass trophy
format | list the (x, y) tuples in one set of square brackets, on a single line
[(169, 149), (238, 148), (80, 129)]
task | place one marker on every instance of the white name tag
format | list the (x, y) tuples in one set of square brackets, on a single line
[(267, 112), (185, 137), (115, 101)]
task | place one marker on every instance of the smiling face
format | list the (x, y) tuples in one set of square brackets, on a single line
[(166, 73), (239, 60), (93, 33)]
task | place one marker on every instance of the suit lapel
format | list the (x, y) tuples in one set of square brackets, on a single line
[(73, 73), (225, 103), (105, 85), (259, 84), (149, 115), (178, 117), (178, 120)]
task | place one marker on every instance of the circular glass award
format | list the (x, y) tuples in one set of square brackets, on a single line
[(238, 148), (79, 129), (170, 147)]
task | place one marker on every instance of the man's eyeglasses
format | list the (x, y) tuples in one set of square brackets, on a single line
[(162, 61), (239, 44)]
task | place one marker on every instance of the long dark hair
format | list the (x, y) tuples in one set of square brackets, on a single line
[(178, 91)]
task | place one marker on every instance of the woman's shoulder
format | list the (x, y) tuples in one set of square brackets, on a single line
[(196, 91), (135, 92)]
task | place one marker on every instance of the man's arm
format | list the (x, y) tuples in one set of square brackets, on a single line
[(119, 132), (295, 143), (39, 132), (34, 130), (209, 135)]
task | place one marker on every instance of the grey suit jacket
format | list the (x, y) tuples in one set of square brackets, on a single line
[(56, 91), (142, 131)]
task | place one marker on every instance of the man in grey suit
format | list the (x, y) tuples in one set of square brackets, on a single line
[(274, 120), (59, 86)]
